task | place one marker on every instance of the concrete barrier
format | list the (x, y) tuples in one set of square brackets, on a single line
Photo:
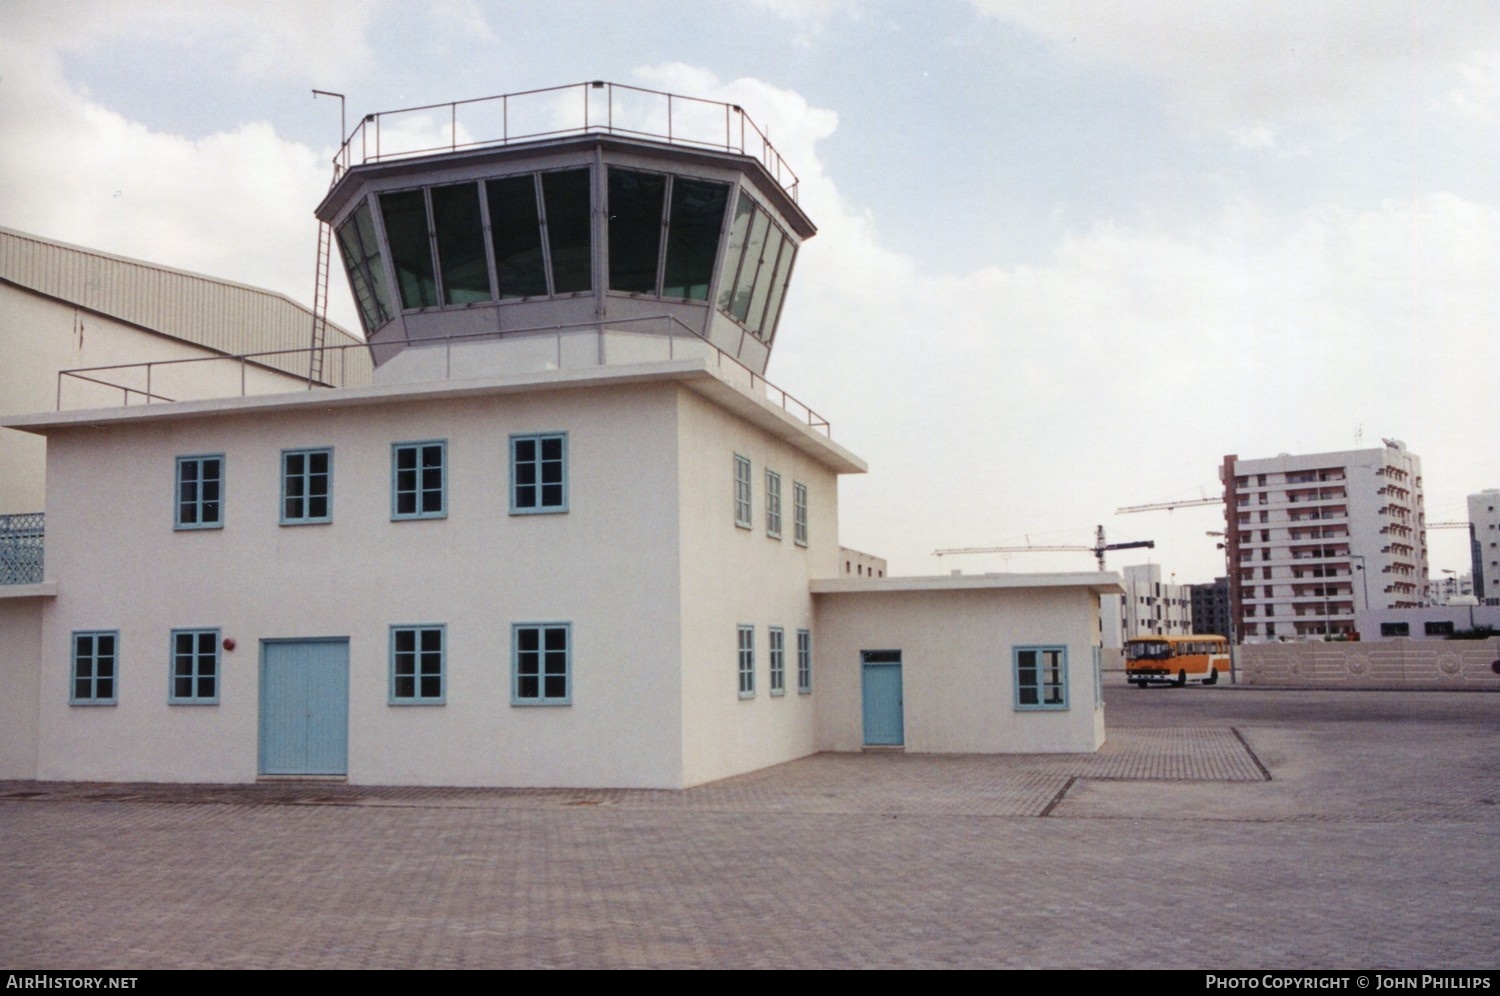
[(1441, 664)]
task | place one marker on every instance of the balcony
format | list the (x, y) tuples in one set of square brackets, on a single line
[(21, 548)]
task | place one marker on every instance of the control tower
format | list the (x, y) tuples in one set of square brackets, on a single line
[(537, 227)]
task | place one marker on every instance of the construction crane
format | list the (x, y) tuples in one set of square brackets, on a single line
[(1097, 549), (1169, 505)]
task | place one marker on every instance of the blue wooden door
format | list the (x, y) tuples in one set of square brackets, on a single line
[(304, 707), (881, 686)]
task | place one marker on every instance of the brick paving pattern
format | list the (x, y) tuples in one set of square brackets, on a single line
[(1372, 845)]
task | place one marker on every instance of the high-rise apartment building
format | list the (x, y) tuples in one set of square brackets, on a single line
[(1312, 538), (1484, 544)]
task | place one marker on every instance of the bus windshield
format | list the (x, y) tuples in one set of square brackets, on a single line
[(1147, 650)]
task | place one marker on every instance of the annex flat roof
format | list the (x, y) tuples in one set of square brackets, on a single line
[(1100, 583)]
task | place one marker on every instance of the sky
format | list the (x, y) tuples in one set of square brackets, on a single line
[(1069, 253)]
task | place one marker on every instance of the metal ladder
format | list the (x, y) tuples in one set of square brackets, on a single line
[(320, 306)]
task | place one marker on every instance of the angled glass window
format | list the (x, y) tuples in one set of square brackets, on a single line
[(95, 667), (407, 233), (746, 660), (195, 667), (777, 641), (460, 243), (417, 665), (755, 247), (306, 486), (734, 251), (541, 664), (742, 491), (799, 513), (1041, 677), (636, 202), (776, 242), (539, 473), (757, 265), (569, 205), (366, 267), (773, 504), (516, 236), (693, 237), (804, 662), (200, 492), (767, 327), (419, 480)]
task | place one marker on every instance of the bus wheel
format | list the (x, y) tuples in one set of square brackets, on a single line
[(1181, 678), (1213, 676), (1139, 684)]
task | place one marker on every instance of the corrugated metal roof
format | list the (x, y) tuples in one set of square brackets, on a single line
[(218, 314)]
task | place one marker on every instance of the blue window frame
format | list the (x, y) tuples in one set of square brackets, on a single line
[(541, 663), (777, 644), (804, 662), (742, 491), (539, 473), (417, 665), (306, 486), (419, 480), (747, 661), (96, 658), (199, 502), (799, 513), (1041, 677), (773, 504), (194, 679)]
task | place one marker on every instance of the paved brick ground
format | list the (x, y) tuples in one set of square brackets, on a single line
[(1218, 828)]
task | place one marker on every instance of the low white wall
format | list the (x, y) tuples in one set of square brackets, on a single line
[(20, 646), (1444, 664)]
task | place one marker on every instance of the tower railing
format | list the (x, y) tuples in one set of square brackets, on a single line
[(595, 107), (21, 548), (647, 339)]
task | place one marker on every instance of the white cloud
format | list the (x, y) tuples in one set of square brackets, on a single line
[(1257, 136), (236, 203), (1244, 61), (1035, 399), (1476, 100)]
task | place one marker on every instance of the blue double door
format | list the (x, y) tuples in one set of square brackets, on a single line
[(884, 708), (304, 707)]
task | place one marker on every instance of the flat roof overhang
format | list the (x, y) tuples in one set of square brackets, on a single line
[(352, 184), (695, 374)]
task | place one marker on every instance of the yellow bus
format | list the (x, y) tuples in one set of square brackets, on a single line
[(1176, 659)]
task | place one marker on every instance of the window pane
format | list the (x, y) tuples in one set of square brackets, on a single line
[(754, 249), (693, 237), (516, 236), (738, 232), (362, 261), (568, 208), (460, 240), (405, 217), (635, 220), (767, 328), (770, 256)]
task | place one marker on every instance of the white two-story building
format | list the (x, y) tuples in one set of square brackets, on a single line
[(567, 536)]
